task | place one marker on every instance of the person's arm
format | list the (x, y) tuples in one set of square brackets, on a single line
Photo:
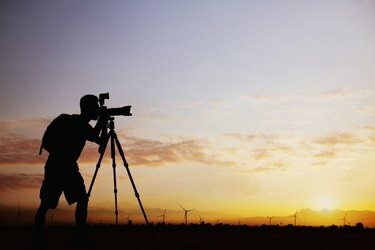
[(94, 134)]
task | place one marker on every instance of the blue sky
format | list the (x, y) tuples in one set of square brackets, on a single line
[(253, 91), (153, 52)]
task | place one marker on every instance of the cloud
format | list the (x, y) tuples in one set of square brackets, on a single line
[(370, 128), (272, 150), (157, 153), (269, 138), (261, 153), (11, 125), (347, 93), (326, 155), (337, 138), (15, 146), (17, 149), (367, 110), (241, 137), (275, 166), (339, 93), (271, 99), (9, 182), (319, 163), (333, 94)]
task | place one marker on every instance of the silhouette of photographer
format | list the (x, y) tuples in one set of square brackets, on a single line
[(65, 139)]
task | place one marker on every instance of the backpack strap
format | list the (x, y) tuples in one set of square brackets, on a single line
[(41, 148)]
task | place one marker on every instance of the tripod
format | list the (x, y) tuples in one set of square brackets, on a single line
[(115, 143)]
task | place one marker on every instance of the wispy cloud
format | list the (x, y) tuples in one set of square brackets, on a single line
[(332, 94), (157, 153), (17, 149), (11, 125), (275, 166), (346, 93), (271, 98), (367, 110), (251, 137), (9, 182), (264, 151), (261, 153), (241, 137), (336, 138), (267, 153), (326, 154)]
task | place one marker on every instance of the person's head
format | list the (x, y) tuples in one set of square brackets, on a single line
[(89, 107)]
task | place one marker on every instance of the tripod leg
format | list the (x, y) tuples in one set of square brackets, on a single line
[(114, 172), (97, 167), (130, 176)]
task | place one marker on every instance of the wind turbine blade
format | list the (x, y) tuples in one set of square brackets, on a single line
[(182, 207)]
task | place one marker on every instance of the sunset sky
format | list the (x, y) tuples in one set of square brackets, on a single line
[(249, 108)]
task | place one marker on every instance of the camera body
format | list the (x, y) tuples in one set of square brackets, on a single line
[(107, 117), (110, 112)]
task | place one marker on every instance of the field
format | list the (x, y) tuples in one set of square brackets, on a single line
[(196, 237)]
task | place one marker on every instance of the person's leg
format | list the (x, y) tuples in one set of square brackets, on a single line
[(38, 241), (75, 191), (40, 216), (81, 234), (81, 212), (49, 198)]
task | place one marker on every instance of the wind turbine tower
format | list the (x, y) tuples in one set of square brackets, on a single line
[(295, 218), (163, 215), (218, 221), (19, 214), (129, 220), (344, 219), (270, 220), (201, 221), (186, 214)]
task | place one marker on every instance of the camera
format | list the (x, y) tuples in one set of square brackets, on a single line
[(108, 112)]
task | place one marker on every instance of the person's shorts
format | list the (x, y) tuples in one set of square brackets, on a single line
[(72, 184)]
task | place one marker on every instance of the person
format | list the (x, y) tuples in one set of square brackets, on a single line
[(65, 139)]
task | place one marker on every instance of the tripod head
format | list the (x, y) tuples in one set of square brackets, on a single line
[(107, 115)]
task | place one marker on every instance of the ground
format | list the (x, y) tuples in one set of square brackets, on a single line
[(195, 237)]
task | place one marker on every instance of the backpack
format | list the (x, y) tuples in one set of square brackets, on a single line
[(54, 134)]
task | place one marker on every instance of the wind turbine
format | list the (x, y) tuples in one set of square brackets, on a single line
[(186, 213), (163, 215), (19, 214), (129, 220), (218, 221), (270, 219), (200, 220), (295, 217), (344, 219)]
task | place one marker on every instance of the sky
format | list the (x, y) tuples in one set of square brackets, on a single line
[(239, 107)]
